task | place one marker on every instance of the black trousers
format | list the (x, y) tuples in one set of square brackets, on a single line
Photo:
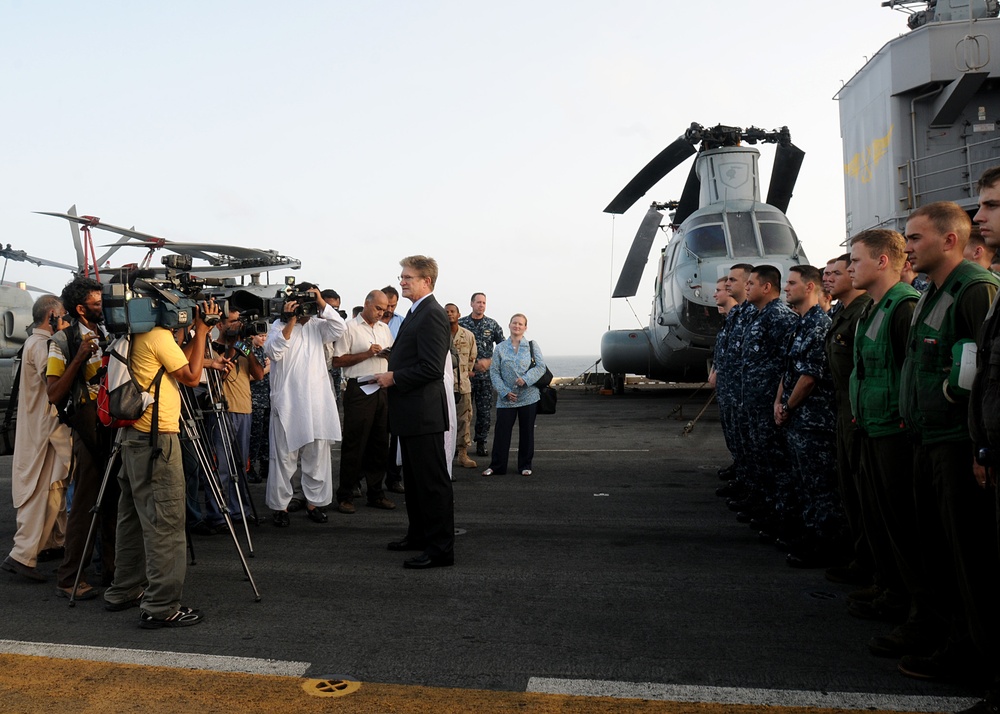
[(88, 473), (506, 416), (430, 500), (956, 522), (366, 441)]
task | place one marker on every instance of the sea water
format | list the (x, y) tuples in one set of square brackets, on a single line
[(572, 365)]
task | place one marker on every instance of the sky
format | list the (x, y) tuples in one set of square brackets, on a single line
[(489, 136)]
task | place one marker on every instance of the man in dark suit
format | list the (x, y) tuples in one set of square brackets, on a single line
[(418, 415)]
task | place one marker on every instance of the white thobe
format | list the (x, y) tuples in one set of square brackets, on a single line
[(42, 454), (300, 393)]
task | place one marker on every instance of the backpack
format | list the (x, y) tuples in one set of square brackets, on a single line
[(121, 400)]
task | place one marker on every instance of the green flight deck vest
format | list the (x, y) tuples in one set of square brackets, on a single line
[(874, 385), (925, 408)]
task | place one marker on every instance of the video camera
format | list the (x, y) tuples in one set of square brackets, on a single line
[(135, 301), (306, 304)]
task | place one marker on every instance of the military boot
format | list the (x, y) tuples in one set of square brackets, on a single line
[(463, 458), (481, 449)]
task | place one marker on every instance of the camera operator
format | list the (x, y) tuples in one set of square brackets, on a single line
[(150, 555), (304, 417), (73, 377), (236, 389)]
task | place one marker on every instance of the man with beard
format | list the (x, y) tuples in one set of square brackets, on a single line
[(42, 444), (73, 382)]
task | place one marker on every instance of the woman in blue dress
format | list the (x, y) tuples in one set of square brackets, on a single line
[(513, 377)]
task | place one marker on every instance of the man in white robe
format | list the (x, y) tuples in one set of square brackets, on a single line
[(42, 451), (304, 417)]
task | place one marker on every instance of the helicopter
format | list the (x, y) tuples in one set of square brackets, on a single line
[(719, 220), (228, 271)]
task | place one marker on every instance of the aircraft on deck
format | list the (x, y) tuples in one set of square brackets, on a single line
[(231, 271), (718, 221)]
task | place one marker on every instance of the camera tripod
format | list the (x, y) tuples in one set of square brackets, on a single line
[(196, 432)]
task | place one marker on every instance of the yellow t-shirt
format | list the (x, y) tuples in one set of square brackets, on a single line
[(149, 351)]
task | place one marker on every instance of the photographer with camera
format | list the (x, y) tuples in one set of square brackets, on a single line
[(42, 444), (235, 346), (73, 376), (150, 554), (304, 418)]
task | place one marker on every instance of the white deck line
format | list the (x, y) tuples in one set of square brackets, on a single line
[(737, 695), (178, 660)]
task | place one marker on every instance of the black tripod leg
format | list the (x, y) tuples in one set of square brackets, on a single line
[(95, 511)]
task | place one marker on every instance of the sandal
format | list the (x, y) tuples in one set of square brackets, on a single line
[(83, 592)]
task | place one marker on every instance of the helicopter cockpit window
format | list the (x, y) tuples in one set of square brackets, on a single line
[(741, 234), (706, 241), (778, 238)]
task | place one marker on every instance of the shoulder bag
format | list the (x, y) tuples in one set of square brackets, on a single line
[(547, 396)]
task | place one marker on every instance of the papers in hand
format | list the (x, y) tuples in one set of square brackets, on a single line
[(368, 384)]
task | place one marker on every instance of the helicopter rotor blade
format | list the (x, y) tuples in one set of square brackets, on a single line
[(787, 163), (123, 241), (638, 254), (662, 164), (690, 196), (9, 253), (74, 229)]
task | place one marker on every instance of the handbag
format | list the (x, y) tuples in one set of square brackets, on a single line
[(547, 398), (546, 379), (8, 431)]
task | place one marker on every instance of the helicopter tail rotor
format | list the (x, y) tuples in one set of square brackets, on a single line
[(638, 254)]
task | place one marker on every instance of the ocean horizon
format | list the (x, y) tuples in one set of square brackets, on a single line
[(572, 365)]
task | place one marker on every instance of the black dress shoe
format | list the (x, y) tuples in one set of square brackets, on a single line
[(404, 544), (317, 515), (424, 561)]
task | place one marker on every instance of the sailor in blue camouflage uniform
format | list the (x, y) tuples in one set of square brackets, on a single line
[(725, 366), (762, 343), (488, 333), (804, 407)]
